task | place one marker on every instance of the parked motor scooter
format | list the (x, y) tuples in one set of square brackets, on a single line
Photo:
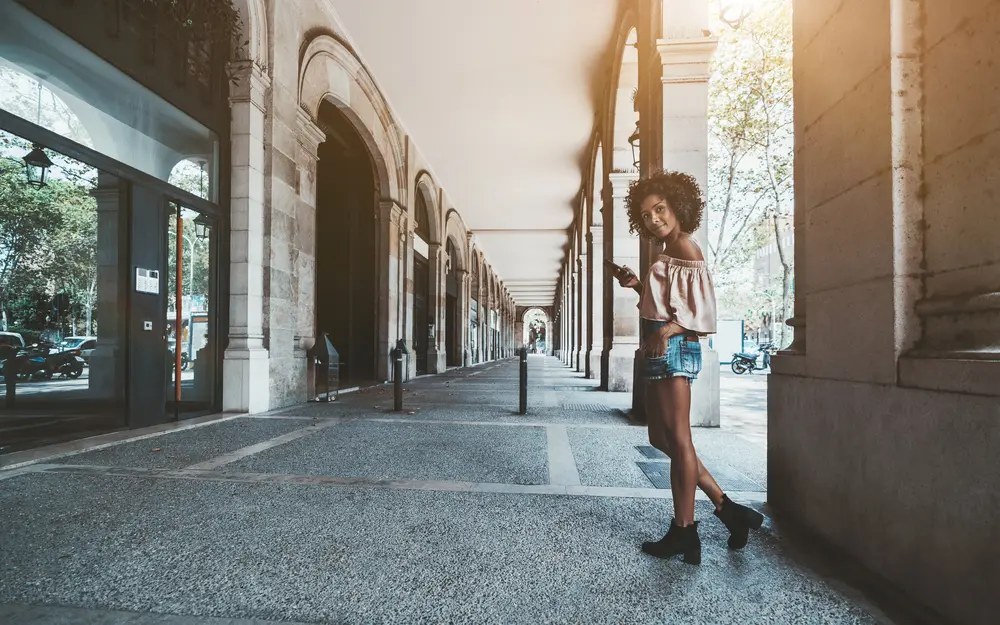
[(43, 361), (68, 364), (748, 363)]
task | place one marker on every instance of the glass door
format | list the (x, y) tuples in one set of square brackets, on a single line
[(191, 312)]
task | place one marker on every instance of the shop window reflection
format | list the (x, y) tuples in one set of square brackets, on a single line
[(190, 308)]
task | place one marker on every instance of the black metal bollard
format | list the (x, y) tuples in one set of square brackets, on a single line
[(524, 381), (397, 374)]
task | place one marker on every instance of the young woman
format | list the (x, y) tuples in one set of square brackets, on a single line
[(677, 306)]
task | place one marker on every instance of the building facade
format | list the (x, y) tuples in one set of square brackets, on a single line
[(319, 212)]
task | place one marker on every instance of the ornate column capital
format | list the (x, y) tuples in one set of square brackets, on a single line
[(309, 134), (397, 215), (686, 60), (620, 182), (250, 84)]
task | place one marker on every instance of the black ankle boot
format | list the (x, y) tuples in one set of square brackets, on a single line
[(678, 540), (740, 520)]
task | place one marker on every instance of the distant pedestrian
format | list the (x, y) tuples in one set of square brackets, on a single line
[(677, 307)]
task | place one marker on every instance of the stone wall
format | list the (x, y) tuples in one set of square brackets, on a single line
[(883, 425)]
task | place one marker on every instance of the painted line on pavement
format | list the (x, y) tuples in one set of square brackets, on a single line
[(239, 454), (417, 421), (25, 470), (103, 441), (562, 464), (557, 490)]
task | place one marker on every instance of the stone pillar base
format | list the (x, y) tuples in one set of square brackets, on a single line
[(246, 380), (103, 373), (592, 360), (705, 398), (621, 360), (437, 361)]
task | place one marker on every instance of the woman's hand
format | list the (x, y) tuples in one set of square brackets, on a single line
[(655, 345), (627, 278)]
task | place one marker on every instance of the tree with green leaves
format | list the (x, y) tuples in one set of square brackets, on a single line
[(28, 217), (751, 152)]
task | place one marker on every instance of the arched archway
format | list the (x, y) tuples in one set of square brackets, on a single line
[(596, 368), (453, 295), (456, 267), (423, 275), (537, 327), (625, 120), (346, 276), (337, 92), (191, 175), (621, 323)]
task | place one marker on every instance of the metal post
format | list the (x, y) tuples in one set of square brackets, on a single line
[(524, 381), (397, 374), (397, 380)]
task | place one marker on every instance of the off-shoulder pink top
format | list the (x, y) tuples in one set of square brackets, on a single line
[(680, 291)]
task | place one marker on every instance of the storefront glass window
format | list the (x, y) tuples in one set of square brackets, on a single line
[(50, 80)]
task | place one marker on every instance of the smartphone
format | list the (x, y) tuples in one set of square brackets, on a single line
[(619, 271)]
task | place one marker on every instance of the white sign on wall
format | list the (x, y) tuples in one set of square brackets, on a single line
[(147, 281)]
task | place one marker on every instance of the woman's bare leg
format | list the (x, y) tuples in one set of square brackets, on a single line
[(657, 419), (676, 408)]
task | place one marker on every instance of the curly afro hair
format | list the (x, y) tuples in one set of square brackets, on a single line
[(681, 192)]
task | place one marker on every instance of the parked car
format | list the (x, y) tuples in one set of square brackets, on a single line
[(12, 339), (83, 345), (750, 346)]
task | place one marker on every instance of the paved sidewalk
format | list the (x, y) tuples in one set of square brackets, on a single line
[(455, 510), (744, 405)]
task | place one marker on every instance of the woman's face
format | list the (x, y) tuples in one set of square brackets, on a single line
[(659, 218)]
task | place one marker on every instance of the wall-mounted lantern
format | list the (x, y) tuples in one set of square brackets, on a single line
[(634, 142)]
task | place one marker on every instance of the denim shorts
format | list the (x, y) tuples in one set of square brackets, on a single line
[(682, 360)]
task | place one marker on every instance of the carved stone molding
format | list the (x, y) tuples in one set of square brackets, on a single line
[(309, 134), (966, 326)]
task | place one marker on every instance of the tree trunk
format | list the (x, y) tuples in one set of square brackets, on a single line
[(90, 307), (786, 278)]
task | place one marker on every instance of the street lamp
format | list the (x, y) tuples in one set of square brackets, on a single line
[(735, 12), (634, 142), (36, 165)]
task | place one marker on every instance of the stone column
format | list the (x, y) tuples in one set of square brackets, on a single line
[(624, 249), (391, 225), (685, 54), (487, 322), (406, 239), (583, 312), (245, 370), (437, 354), (595, 299), (571, 316), (563, 307), (462, 318), (107, 367), (304, 251), (568, 314)]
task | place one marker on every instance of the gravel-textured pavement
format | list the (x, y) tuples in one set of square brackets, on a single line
[(462, 512)]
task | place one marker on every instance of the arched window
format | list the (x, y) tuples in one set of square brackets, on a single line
[(192, 176)]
